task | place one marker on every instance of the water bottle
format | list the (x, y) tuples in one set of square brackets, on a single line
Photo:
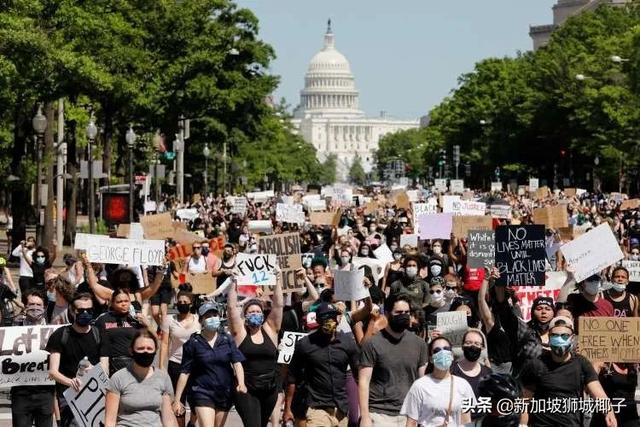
[(83, 367)]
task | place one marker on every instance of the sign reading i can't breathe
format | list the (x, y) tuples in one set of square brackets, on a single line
[(520, 255)]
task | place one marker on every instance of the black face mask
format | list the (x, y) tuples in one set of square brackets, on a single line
[(471, 352), (183, 308), (400, 322), (143, 359)]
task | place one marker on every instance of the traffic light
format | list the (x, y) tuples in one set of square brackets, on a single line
[(456, 154), (170, 155)]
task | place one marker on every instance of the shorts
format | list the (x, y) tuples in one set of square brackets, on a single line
[(173, 369), (219, 399), (163, 296), (208, 403)]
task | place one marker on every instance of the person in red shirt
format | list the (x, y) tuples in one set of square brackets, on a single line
[(473, 278), (589, 302)]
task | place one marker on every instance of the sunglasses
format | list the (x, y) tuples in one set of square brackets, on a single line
[(197, 247), (564, 336), (439, 349), (452, 287), (84, 310), (435, 292)]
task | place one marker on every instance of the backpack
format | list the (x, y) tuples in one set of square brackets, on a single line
[(65, 335)]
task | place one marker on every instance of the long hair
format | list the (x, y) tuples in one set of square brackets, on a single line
[(430, 352)]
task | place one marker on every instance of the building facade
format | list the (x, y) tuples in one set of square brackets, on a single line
[(329, 118)]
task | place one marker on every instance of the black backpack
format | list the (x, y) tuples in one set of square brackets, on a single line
[(66, 331)]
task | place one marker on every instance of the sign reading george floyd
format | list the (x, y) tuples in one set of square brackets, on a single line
[(287, 249), (520, 255), (131, 252), (610, 339)]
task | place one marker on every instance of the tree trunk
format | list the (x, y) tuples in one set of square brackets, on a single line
[(20, 203), (48, 159), (71, 191), (107, 141)]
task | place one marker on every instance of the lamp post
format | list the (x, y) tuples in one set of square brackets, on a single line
[(206, 152), (130, 137), (596, 179), (92, 132), (39, 123)]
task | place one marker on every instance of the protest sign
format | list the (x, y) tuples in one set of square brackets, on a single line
[(239, 206), (377, 267), (533, 184), (88, 404), (289, 213), (409, 239), (342, 196), (420, 209), (23, 358), (441, 185), (456, 186), (452, 325), (569, 192), (610, 339), (287, 249), (520, 255), (551, 216), (401, 201), (592, 252), (349, 286), (542, 192), (287, 346), (481, 251), (187, 214), (451, 204), (130, 231), (383, 253), (527, 294), (413, 195), (157, 227), (496, 186), (457, 206), (202, 283), (260, 226), (499, 211), (325, 218), (436, 226), (260, 196), (630, 204), (462, 224), (132, 252), (150, 206), (317, 205), (371, 208), (634, 270), (256, 269)]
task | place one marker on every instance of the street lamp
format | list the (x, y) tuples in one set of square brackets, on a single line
[(617, 59), (92, 133), (39, 123), (581, 77), (206, 152), (596, 180), (130, 137)]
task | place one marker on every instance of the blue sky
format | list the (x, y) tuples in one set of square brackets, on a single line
[(406, 55)]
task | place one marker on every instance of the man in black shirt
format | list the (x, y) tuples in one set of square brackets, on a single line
[(320, 360), (68, 346)]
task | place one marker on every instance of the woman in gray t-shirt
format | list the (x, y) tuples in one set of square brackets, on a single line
[(140, 395)]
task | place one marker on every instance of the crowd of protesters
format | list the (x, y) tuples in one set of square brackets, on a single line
[(178, 358)]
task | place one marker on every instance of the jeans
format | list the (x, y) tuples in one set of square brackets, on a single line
[(32, 405)]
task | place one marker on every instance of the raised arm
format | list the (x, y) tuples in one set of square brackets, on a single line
[(236, 325), (274, 321), (148, 291), (101, 292), (485, 312)]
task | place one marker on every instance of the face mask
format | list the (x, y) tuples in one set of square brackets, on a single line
[(143, 359), (35, 313), (450, 294), (212, 324), (344, 260), (618, 287), (51, 296), (397, 256), (411, 272), (436, 299), (559, 346), (84, 318), (442, 360), (591, 288), (183, 308), (471, 322), (437, 250), (471, 352), (329, 326), (255, 319), (435, 270), (365, 252), (400, 322), (634, 257), (205, 251), (40, 259)]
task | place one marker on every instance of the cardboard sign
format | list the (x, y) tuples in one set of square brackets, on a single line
[(610, 339), (409, 239), (533, 184), (401, 201), (88, 404), (441, 185), (187, 214), (456, 186), (520, 255), (462, 224), (552, 216), (634, 270), (256, 269), (542, 193), (23, 357), (436, 226), (157, 227), (592, 252), (349, 286), (452, 325), (202, 283), (481, 250), (287, 249), (630, 204), (289, 213), (383, 253), (496, 186), (131, 252), (325, 218), (287, 346), (239, 206), (260, 226), (569, 192)]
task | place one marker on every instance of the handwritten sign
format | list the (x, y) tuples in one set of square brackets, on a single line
[(420, 209), (592, 252), (634, 270), (348, 285), (452, 325), (239, 206), (440, 184), (377, 267), (409, 239), (88, 404), (610, 339), (436, 226), (520, 255), (383, 253), (260, 226), (256, 269), (496, 186), (287, 346), (499, 211), (286, 247), (462, 224), (456, 185), (187, 214), (630, 204), (533, 184), (260, 196), (105, 250), (325, 218), (289, 213), (481, 251)]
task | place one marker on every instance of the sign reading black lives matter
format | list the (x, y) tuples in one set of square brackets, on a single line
[(520, 255)]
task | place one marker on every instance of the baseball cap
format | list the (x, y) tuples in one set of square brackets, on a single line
[(326, 310), (542, 301), (207, 307), (561, 321)]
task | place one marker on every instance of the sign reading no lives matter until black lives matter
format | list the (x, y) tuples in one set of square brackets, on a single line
[(520, 255)]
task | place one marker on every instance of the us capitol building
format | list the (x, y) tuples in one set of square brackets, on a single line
[(328, 116)]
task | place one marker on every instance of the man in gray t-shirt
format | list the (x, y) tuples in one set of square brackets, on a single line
[(389, 363), (140, 401)]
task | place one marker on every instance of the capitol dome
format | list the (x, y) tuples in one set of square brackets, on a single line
[(329, 88)]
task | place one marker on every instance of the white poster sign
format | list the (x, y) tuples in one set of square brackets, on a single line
[(634, 270), (456, 185), (256, 269), (592, 252), (383, 253), (419, 209), (260, 196), (131, 252), (441, 184), (150, 206), (452, 325), (496, 186), (260, 226), (409, 239), (377, 267), (458, 207), (188, 214), (287, 346), (349, 286), (289, 213), (533, 184), (239, 206), (88, 404), (23, 357), (413, 195)]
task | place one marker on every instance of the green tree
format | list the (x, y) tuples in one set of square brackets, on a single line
[(357, 174), (328, 170)]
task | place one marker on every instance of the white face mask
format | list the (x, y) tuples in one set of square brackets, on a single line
[(365, 252), (436, 299), (411, 272), (450, 294), (437, 250), (435, 270)]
